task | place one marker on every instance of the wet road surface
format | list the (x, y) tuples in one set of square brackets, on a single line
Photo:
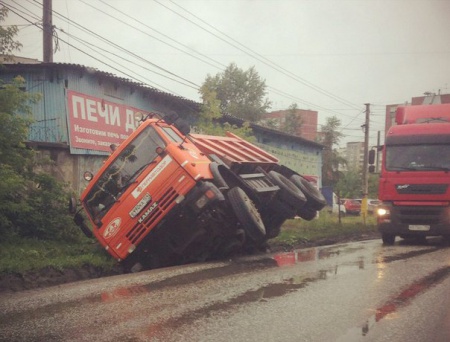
[(352, 292)]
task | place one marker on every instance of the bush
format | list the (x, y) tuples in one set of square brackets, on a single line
[(45, 213), (32, 204)]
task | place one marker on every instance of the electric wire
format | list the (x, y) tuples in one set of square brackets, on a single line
[(258, 57)]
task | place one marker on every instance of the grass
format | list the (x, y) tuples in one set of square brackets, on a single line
[(295, 232), (22, 255)]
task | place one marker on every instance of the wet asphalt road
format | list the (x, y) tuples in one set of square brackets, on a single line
[(352, 292)]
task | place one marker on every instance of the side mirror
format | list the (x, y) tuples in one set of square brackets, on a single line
[(72, 205), (371, 157), (79, 221)]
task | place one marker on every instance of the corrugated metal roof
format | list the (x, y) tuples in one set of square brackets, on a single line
[(79, 67)]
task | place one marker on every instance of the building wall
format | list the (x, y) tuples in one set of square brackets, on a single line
[(308, 128), (355, 155), (50, 134), (307, 162)]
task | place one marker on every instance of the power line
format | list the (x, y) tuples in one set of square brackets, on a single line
[(81, 27), (258, 57), (279, 92), (12, 9)]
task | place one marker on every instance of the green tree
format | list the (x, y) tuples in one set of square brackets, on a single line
[(210, 109), (329, 137), (210, 113), (293, 121), (32, 204), (241, 93), (349, 184), (7, 43), (373, 185)]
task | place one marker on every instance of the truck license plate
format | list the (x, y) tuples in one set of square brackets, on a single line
[(419, 227)]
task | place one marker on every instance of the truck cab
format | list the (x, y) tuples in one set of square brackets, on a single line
[(414, 184)]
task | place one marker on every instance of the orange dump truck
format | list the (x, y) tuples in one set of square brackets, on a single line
[(167, 197)]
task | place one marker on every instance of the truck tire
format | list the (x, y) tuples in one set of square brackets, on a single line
[(307, 214), (290, 194), (388, 239), (273, 223), (315, 199), (247, 214)]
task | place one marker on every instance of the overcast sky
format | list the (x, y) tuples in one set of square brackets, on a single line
[(332, 56)]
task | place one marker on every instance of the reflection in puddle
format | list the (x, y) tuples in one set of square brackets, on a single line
[(398, 301), (297, 256)]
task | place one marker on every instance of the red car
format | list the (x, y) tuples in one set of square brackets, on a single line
[(352, 206)]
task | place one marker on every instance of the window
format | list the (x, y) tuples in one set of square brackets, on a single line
[(123, 171), (430, 157)]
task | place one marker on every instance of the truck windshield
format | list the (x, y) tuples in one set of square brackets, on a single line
[(434, 157), (122, 172)]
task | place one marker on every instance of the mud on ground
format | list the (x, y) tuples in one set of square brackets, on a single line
[(51, 276)]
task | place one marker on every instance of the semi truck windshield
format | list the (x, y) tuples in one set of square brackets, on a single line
[(431, 157), (122, 172)]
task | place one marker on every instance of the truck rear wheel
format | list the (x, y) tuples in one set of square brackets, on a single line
[(315, 198), (388, 239), (307, 214), (273, 223), (290, 194), (247, 214)]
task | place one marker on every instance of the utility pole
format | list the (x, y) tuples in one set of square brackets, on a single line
[(365, 185), (47, 31), (378, 153)]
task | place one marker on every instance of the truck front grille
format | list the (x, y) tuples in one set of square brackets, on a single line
[(421, 189), (166, 201), (423, 215)]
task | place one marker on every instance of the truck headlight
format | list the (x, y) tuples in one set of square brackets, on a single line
[(204, 199), (383, 212)]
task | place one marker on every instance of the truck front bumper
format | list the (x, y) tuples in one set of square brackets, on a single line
[(413, 220)]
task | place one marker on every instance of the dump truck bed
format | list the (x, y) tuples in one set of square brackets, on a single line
[(234, 150)]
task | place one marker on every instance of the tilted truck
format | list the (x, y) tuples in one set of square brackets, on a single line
[(414, 184), (167, 197)]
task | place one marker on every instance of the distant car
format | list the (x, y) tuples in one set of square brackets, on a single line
[(352, 206), (371, 204), (338, 207)]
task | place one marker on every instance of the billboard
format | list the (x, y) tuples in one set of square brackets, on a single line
[(95, 124)]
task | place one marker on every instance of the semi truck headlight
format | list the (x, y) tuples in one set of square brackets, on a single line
[(204, 199), (383, 212)]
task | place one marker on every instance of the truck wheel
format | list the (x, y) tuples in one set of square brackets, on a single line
[(247, 214), (313, 195), (388, 239), (290, 194), (273, 225), (307, 214)]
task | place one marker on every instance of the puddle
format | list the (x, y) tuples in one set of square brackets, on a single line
[(397, 302)]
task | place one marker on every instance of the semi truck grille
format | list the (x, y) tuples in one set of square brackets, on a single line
[(148, 219), (424, 215), (421, 189)]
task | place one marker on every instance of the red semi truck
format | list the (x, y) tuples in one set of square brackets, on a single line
[(167, 197), (414, 184)]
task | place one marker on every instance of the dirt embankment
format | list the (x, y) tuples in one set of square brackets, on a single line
[(49, 276)]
